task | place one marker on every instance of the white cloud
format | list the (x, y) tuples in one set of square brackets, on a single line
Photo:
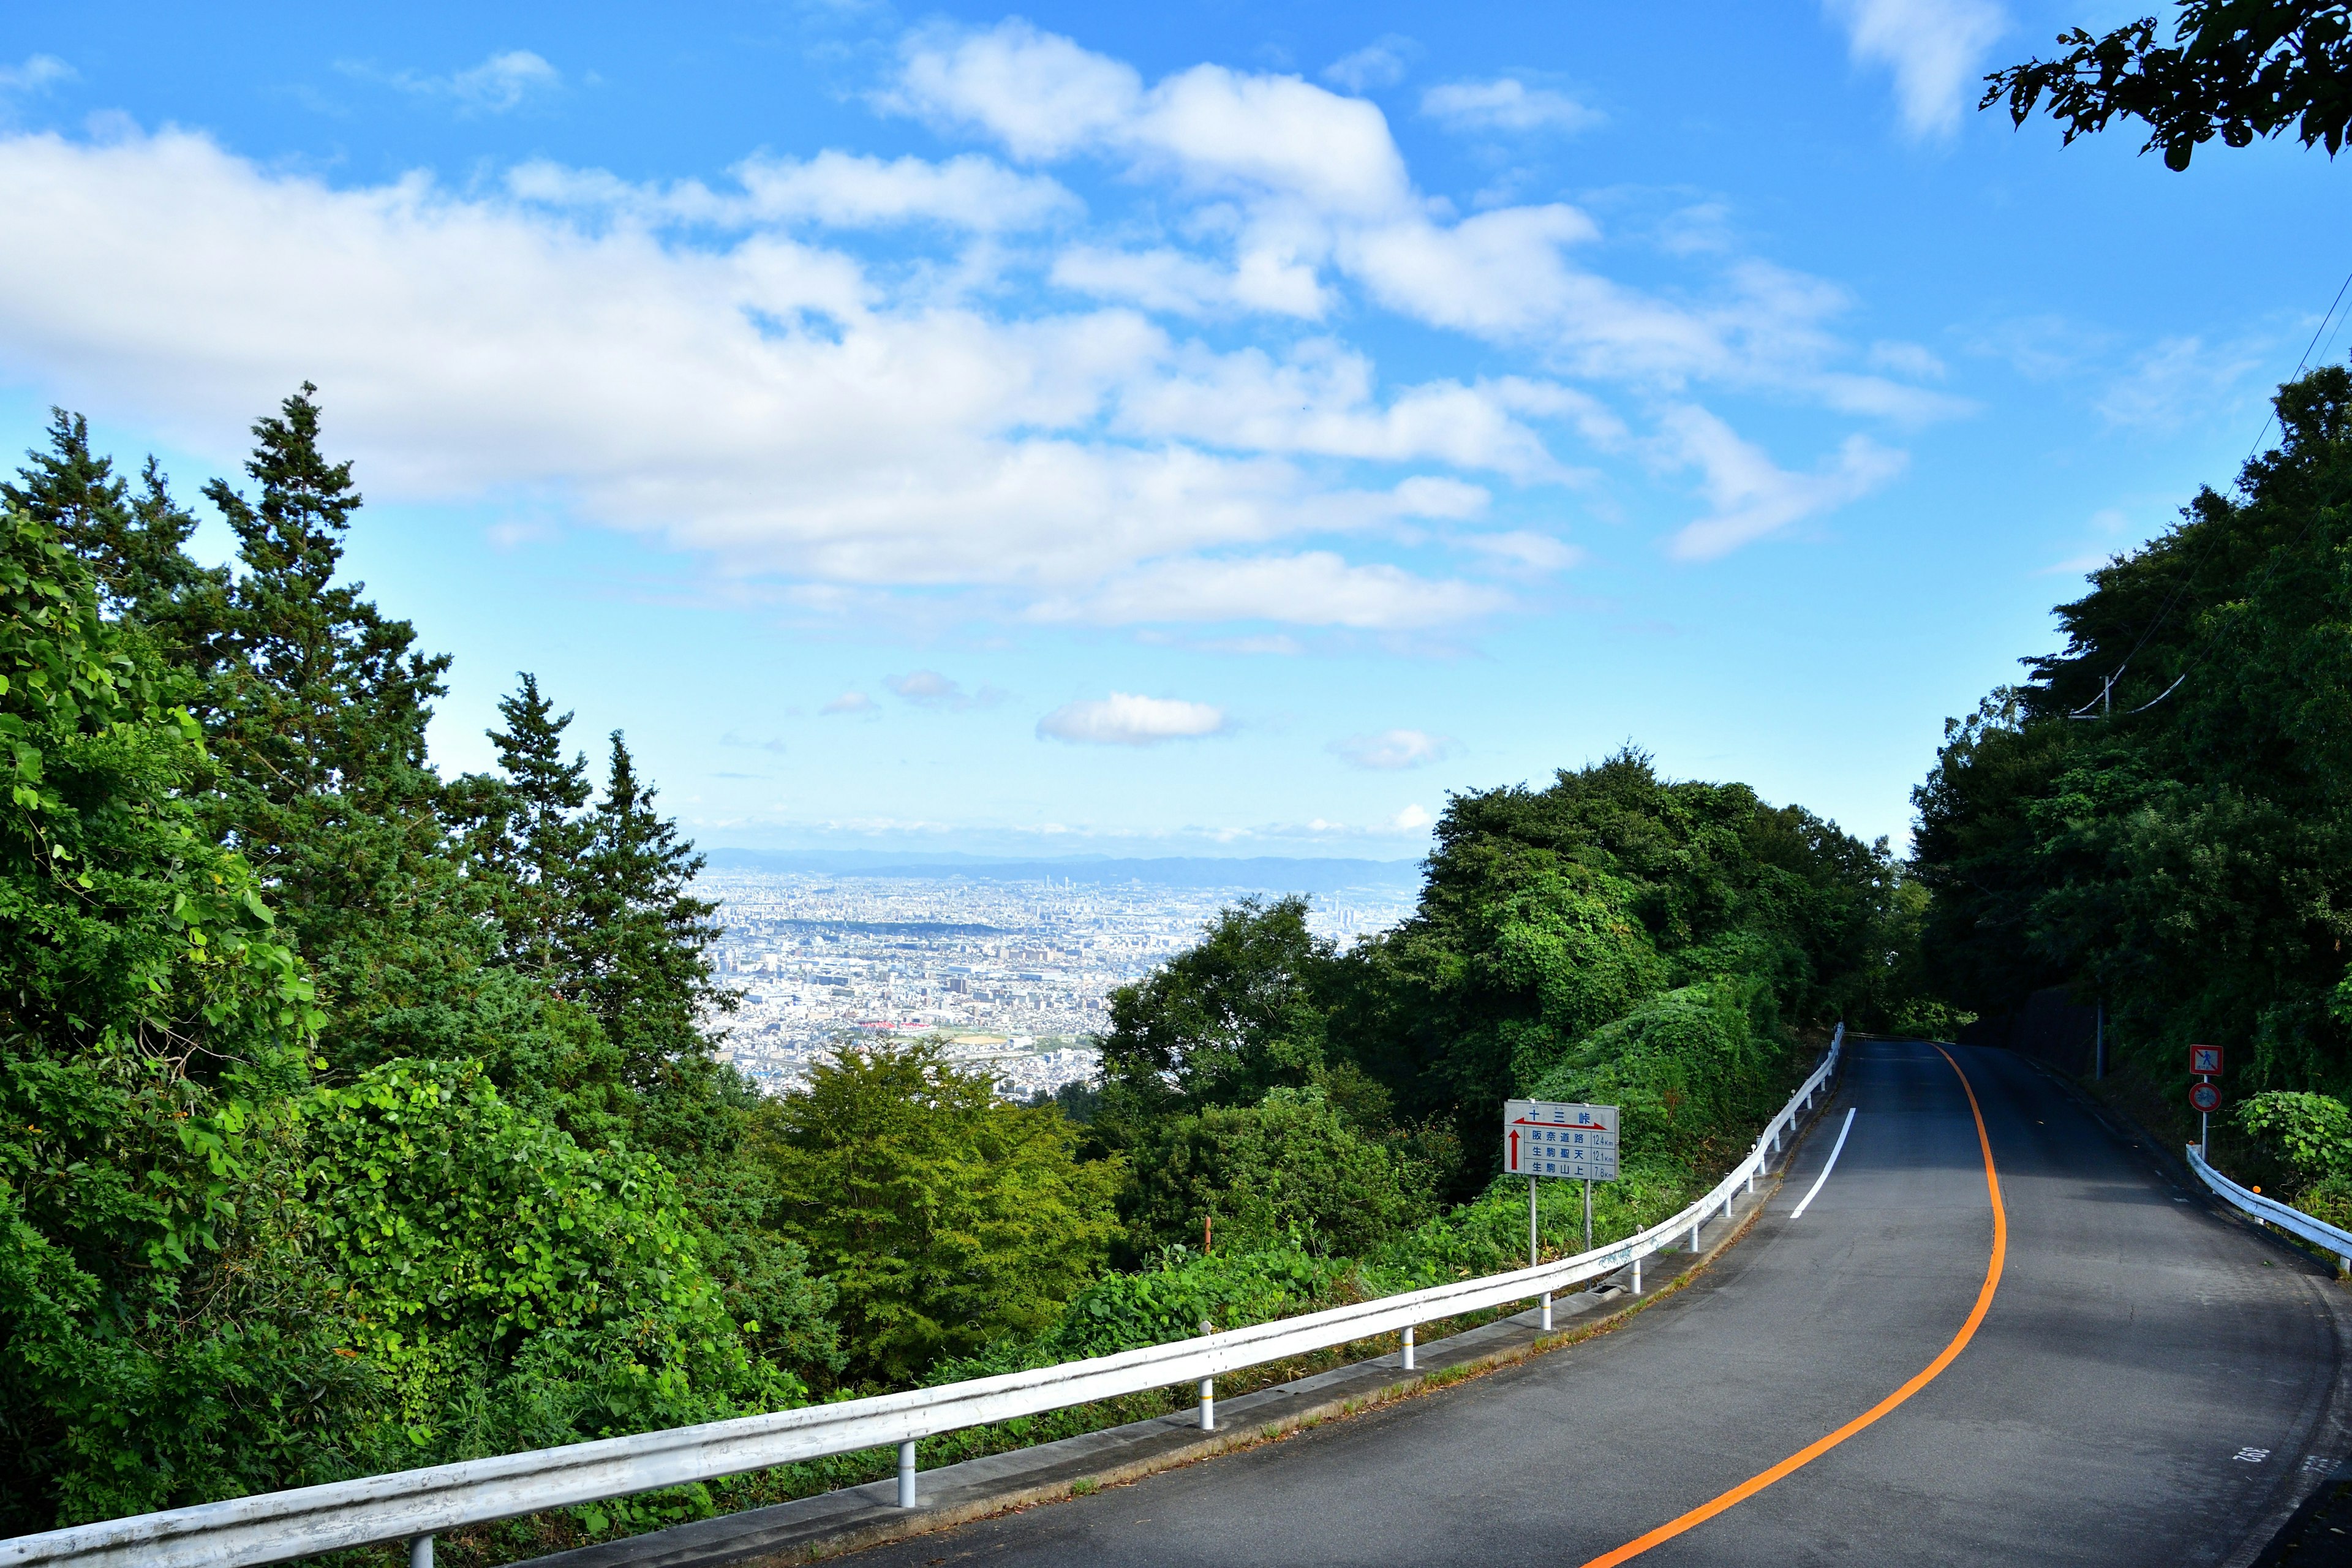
[(766, 402), (2172, 382), (1124, 720), (1411, 819), (501, 83), (1523, 547), (929, 689), (1392, 750), (1750, 496), (37, 72), (1044, 97), (504, 81), (838, 189), (1935, 49), (1381, 63), (1316, 588), (849, 702), (1504, 103)]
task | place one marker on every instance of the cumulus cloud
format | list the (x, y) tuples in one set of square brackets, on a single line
[(929, 689), (1125, 719), (1411, 819), (1935, 48), (1392, 750), (1752, 497), (1504, 103), (849, 702), (781, 411)]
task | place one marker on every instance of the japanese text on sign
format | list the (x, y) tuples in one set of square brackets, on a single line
[(1560, 1140)]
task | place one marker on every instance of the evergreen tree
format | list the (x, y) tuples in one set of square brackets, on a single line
[(638, 960), (316, 706), (538, 838), (131, 544)]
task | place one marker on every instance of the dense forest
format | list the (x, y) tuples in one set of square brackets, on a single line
[(354, 1118), (2157, 819)]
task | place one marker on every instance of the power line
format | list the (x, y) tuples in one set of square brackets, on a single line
[(2106, 687)]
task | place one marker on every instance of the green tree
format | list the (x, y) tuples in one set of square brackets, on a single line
[(945, 1218), (534, 836), (315, 705), (2235, 68), (1241, 1012), (2158, 817), (1290, 1165), (516, 1290), (638, 960), (132, 545), (162, 1338)]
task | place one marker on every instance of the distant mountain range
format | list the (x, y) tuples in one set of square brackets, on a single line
[(1264, 873)]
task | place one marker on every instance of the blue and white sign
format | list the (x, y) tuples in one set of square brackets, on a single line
[(1556, 1139)]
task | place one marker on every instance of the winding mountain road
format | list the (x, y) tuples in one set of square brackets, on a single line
[(2010, 1340)]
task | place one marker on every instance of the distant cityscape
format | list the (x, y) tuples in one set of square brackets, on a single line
[(1014, 972)]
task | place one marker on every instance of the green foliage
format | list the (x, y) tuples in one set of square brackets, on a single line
[(1240, 1012), (1693, 1071), (945, 1218), (2183, 849), (1549, 914), (160, 1340), (2309, 1134), (515, 1288), (2236, 69), (1290, 1167)]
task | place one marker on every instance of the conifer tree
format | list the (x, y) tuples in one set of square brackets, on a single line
[(537, 836), (640, 958), (131, 544), (316, 704)]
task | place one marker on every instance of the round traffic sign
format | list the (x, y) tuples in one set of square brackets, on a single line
[(2205, 1098)]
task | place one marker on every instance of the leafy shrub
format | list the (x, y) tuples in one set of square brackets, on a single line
[(2308, 1134), (1691, 1070), (514, 1289), (945, 1218), (1290, 1165)]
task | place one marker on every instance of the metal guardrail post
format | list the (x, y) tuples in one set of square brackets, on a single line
[(906, 1474), (1408, 1347), (420, 1552), (1547, 1311), (1637, 1277)]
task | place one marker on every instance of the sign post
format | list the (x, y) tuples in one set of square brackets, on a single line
[(1551, 1139), (2205, 1062)]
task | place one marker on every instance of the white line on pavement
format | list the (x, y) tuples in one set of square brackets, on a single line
[(1835, 1150)]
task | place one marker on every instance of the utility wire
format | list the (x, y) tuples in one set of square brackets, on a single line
[(2106, 687)]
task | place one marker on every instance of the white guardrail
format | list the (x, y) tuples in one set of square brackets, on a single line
[(2293, 1221), (413, 1505)]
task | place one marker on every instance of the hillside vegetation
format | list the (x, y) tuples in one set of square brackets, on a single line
[(355, 1117), (2158, 818)]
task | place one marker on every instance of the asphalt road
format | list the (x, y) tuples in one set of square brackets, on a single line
[(2148, 1384)]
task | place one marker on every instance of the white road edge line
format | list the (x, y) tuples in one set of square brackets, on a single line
[(1834, 1149)]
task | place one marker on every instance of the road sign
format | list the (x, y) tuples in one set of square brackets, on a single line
[(1560, 1140), (2205, 1060), (2205, 1098)]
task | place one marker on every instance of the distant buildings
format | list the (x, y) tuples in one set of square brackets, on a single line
[(1014, 973)]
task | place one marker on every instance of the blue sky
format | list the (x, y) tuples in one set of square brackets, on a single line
[(1222, 428)]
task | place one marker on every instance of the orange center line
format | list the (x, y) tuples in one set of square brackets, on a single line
[(1814, 1450)]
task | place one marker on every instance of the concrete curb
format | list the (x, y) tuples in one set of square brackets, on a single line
[(833, 1524)]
